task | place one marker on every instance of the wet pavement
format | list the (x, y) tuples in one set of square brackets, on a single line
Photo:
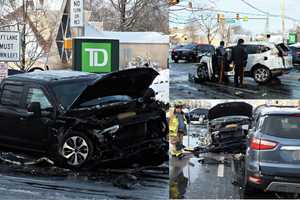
[(283, 87), (44, 181), (190, 178)]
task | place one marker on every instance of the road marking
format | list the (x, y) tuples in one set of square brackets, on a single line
[(221, 170)]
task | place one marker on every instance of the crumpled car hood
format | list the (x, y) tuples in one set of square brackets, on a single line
[(230, 109), (130, 82)]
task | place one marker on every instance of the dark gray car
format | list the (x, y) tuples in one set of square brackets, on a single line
[(273, 155)]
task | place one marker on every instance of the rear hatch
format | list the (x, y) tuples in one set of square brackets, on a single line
[(283, 133), (286, 55)]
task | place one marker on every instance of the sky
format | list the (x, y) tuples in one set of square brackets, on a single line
[(255, 26)]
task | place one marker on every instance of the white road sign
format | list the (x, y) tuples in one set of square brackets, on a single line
[(76, 18), (10, 44)]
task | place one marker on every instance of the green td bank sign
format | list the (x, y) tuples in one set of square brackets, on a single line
[(95, 55)]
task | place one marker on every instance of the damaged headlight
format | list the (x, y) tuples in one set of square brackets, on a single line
[(111, 130)]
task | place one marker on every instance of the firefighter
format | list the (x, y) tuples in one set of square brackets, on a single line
[(177, 128)]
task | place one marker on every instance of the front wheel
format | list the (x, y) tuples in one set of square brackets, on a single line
[(202, 72), (75, 150), (262, 75)]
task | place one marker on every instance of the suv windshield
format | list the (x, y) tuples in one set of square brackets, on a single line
[(282, 126), (73, 89)]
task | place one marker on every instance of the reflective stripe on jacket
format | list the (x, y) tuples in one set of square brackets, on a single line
[(174, 123)]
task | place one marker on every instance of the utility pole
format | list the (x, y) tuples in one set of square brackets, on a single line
[(282, 8), (23, 60), (267, 28)]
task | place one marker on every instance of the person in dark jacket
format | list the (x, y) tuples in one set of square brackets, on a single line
[(239, 58), (221, 56)]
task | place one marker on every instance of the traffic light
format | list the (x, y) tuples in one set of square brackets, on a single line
[(173, 2), (238, 17)]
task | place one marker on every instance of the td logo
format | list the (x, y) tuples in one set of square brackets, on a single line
[(96, 57)]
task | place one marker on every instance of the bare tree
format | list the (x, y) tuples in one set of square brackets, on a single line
[(131, 15), (191, 29), (209, 25), (29, 21)]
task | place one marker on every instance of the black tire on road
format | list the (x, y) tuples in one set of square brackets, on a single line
[(202, 72), (262, 74), (75, 150)]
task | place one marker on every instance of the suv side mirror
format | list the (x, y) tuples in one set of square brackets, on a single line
[(35, 108)]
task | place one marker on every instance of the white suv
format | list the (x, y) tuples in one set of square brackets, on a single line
[(265, 61)]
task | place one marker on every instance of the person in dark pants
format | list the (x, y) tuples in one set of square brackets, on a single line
[(221, 55), (239, 58)]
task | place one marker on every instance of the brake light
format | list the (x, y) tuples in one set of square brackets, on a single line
[(254, 179), (259, 144)]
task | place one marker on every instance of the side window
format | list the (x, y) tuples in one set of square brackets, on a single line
[(12, 95), (37, 95), (264, 49), (252, 49)]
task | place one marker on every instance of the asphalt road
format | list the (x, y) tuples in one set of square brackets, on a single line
[(47, 182), (284, 87), (190, 178)]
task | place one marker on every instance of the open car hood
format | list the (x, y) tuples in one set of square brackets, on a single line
[(131, 82), (230, 109)]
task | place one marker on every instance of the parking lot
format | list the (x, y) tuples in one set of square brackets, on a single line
[(181, 87), (208, 177), (43, 181)]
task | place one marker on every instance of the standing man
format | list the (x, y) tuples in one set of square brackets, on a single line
[(177, 128), (221, 55), (239, 57)]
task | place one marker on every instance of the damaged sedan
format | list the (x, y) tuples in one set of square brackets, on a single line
[(82, 120), (229, 124)]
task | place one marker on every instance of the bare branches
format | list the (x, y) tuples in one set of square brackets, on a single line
[(29, 21), (132, 15)]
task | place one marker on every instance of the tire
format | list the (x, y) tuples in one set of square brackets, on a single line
[(75, 150), (262, 74), (202, 72), (36, 69)]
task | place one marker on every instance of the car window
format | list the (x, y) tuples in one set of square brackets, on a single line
[(37, 95), (12, 95), (252, 49), (74, 90), (282, 126)]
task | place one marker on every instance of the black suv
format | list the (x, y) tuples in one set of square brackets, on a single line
[(228, 126), (79, 119), (191, 52), (272, 160)]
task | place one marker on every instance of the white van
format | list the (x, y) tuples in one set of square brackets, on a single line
[(265, 61)]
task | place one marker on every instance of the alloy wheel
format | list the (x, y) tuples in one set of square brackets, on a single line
[(262, 74), (75, 150)]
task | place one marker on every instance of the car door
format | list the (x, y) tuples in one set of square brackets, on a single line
[(11, 111), (36, 129), (254, 56)]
